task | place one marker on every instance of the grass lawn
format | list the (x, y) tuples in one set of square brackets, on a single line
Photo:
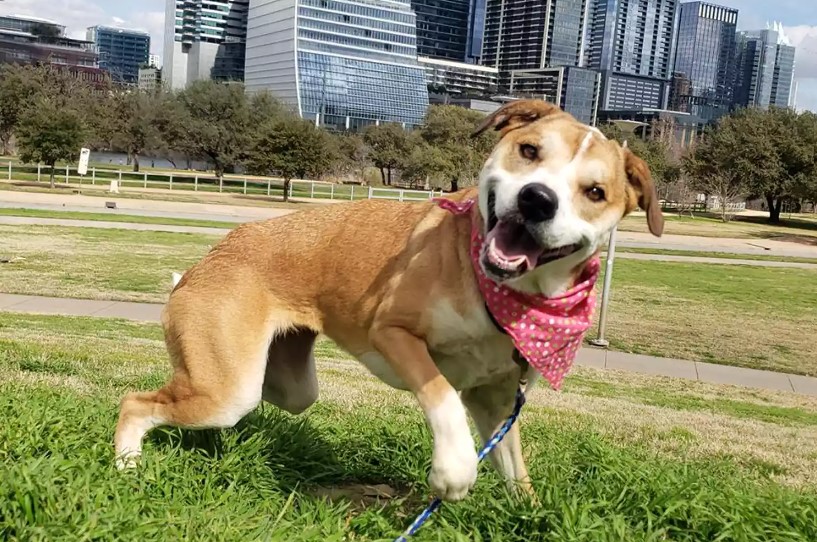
[(115, 217), (614, 457), (721, 255), (735, 315), (797, 229)]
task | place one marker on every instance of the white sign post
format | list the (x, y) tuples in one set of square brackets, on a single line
[(82, 168)]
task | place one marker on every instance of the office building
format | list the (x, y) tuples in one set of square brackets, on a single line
[(476, 31), (30, 40), (705, 57), (684, 127), (442, 28), (632, 42), (204, 40), (342, 63), (458, 78), (765, 68), (155, 61), (121, 52), (150, 78), (534, 34), (575, 89)]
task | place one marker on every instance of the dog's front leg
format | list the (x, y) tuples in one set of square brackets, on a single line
[(454, 459)]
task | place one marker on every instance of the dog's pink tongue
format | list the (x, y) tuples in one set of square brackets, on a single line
[(512, 241)]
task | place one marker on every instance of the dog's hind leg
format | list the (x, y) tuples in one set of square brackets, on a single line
[(218, 375), (290, 381), (489, 406)]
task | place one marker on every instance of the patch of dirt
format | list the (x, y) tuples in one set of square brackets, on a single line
[(360, 495)]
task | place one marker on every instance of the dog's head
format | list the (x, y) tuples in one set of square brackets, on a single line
[(552, 191)]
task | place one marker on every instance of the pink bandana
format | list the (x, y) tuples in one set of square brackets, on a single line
[(547, 331)]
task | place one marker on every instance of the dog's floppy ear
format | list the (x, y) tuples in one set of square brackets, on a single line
[(515, 114), (643, 190)]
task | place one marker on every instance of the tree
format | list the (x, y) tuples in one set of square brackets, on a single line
[(137, 130), (449, 129), (428, 165), (389, 145), (214, 123), (292, 148), (49, 133), (14, 91), (352, 155), (726, 189)]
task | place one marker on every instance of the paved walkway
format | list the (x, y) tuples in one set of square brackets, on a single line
[(588, 357)]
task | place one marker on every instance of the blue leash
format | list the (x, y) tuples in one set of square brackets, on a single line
[(489, 446)]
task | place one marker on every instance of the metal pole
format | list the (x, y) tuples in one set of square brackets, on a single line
[(67, 173), (9, 169), (39, 169), (605, 292), (93, 175)]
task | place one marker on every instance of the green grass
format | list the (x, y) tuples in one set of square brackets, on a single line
[(115, 217), (753, 317), (721, 255), (278, 477), (797, 229)]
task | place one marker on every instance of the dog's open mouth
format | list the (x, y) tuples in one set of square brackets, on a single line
[(510, 249)]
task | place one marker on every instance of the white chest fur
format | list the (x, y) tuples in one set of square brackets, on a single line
[(467, 348)]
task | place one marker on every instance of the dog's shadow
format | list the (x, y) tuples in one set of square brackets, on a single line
[(300, 458)]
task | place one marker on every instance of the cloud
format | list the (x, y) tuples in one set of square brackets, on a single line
[(118, 21)]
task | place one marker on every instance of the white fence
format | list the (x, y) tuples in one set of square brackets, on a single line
[(208, 182)]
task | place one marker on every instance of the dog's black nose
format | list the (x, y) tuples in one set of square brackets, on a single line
[(537, 203)]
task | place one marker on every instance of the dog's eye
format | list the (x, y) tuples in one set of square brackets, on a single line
[(595, 194), (528, 151)]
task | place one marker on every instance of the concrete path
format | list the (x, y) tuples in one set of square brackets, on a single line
[(238, 213), (588, 357)]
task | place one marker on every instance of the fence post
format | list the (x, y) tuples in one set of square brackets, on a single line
[(39, 168), (269, 186), (9, 169), (331, 189), (290, 189), (220, 183), (245, 186), (67, 174), (352, 196), (93, 175), (400, 195), (312, 190), (119, 184), (196, 184), (146, 180), (171, 181), (605, 292)]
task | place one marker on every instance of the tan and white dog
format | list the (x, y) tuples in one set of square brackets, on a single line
[(393, 284)]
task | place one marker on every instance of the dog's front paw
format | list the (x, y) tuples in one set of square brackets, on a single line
[(453, 470)]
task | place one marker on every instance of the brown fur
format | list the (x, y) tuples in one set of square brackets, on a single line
[(241, 324)]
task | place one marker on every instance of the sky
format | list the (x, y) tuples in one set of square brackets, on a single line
[(799, 18)]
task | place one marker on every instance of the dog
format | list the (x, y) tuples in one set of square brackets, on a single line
[(396, 286)]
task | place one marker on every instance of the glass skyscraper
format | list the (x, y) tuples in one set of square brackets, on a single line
[(121, 52), (204, 40), (632, 42), (534, 34), (705, 57), (765, 70), (343, 63), (442, 28)]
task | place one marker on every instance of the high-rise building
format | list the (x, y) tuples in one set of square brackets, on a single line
[(476, 31), (204, 40), (632, 42), (155, 61), (765, 68), (534, 34), (705, 55), (442, 28), (121, 51), (576, 90), (150, 78), (341, 63), (458, 79)]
